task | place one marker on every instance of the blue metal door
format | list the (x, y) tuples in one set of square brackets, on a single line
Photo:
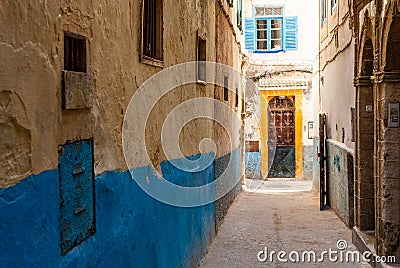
[(76, 193)]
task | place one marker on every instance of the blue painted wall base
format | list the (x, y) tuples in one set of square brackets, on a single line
[(132, 228), (253, 165), (340, 177)]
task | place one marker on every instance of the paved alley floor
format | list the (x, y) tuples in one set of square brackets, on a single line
[(272, 220)]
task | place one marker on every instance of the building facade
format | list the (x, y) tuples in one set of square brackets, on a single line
[(337, 102), (377, 172), (281, 46), (68, 72), (359, 42)]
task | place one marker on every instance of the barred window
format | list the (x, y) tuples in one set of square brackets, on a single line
[(74, 53), (152, 43)]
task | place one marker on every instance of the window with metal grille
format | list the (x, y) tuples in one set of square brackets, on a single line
[(281, 102), (152, 37), (201, 59), (226, 90), (74, 53), (268, 11), (237, 98)]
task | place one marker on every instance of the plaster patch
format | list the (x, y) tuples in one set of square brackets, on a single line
[(15, 161)]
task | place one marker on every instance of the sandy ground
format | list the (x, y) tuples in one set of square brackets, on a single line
[(279, 216)]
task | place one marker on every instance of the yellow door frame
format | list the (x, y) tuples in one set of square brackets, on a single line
[(266, 95)]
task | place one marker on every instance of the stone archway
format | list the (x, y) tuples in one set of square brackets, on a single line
[(364, 179)]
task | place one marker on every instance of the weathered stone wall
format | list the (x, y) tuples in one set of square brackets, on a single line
[(377, 199), (340, 182), (388, 173), (364, 162)]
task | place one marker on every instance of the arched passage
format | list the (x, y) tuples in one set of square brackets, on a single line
[(393, 46), (365, 197)]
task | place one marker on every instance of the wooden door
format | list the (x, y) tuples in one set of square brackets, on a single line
[(283, 116)]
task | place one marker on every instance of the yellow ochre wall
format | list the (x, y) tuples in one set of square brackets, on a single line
[(266, 96)]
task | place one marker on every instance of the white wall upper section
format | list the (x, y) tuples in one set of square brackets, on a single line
[(338, 96), (307, 13)]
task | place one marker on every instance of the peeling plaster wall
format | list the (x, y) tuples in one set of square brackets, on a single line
[(16, 139), (228, 53), (26, 119), (230, 145), (132, 229), (336, 67), (112, 30)]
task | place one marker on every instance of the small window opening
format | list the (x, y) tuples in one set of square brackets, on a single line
[(226, 90), (74, 53)]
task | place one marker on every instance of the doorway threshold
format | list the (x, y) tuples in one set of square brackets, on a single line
[(280, 179), (267, 186)]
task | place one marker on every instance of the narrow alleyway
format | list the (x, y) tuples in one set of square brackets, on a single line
[(281, 216)]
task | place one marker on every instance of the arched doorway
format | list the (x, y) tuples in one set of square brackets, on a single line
[(283, 115)]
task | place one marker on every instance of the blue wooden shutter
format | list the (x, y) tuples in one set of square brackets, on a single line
[(291, 33), (249, 34)]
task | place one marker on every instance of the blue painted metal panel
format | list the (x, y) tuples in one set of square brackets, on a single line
[(249, 34), (291, 29), (76, 193)]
